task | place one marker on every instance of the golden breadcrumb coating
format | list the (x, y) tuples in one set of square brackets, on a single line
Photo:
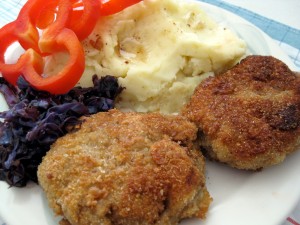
[(126, 168), (248, 117)]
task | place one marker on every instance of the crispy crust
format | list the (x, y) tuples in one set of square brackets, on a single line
[(249, 116), (126, 168)]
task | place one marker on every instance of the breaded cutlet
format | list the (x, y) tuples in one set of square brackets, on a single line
[(249, 116), (126, 168)]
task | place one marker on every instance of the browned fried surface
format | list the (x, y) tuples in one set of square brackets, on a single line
[(126, 168), (249, 116)]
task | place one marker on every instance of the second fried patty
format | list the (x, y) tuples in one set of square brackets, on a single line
[(249, 116)]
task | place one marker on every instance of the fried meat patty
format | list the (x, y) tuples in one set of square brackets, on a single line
[(126, 168), (248, 117)]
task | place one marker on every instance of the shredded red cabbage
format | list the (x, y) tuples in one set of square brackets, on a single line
[(36, 119)]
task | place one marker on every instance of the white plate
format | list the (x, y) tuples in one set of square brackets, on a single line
[(240, 198)]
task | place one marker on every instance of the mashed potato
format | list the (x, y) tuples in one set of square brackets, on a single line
[(160, 50)]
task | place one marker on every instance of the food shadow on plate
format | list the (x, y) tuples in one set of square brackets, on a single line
[(25, 195), (51, 218)]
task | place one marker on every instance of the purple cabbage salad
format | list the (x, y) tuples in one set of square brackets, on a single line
[(36, 119)]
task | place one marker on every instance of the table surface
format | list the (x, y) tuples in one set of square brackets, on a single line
[(284, 11)]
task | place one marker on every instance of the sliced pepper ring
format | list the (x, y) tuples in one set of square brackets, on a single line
[(10, 72), (83, 21), (30, 19), (115, 6), (64, 80), (55, 38), (25, 28)]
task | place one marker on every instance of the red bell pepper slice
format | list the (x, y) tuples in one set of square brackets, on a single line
[(10, 72), (46, 14), (82, 22), (47, 42), (56, 37), (109, 7), (26, 31), (115, 6), (64, 80)]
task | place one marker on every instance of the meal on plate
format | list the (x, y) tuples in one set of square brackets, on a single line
[(126, 168), (182, 85), (249, 116), (158, 50)]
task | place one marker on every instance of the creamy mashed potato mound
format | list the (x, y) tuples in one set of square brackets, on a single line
[(160, 50)]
